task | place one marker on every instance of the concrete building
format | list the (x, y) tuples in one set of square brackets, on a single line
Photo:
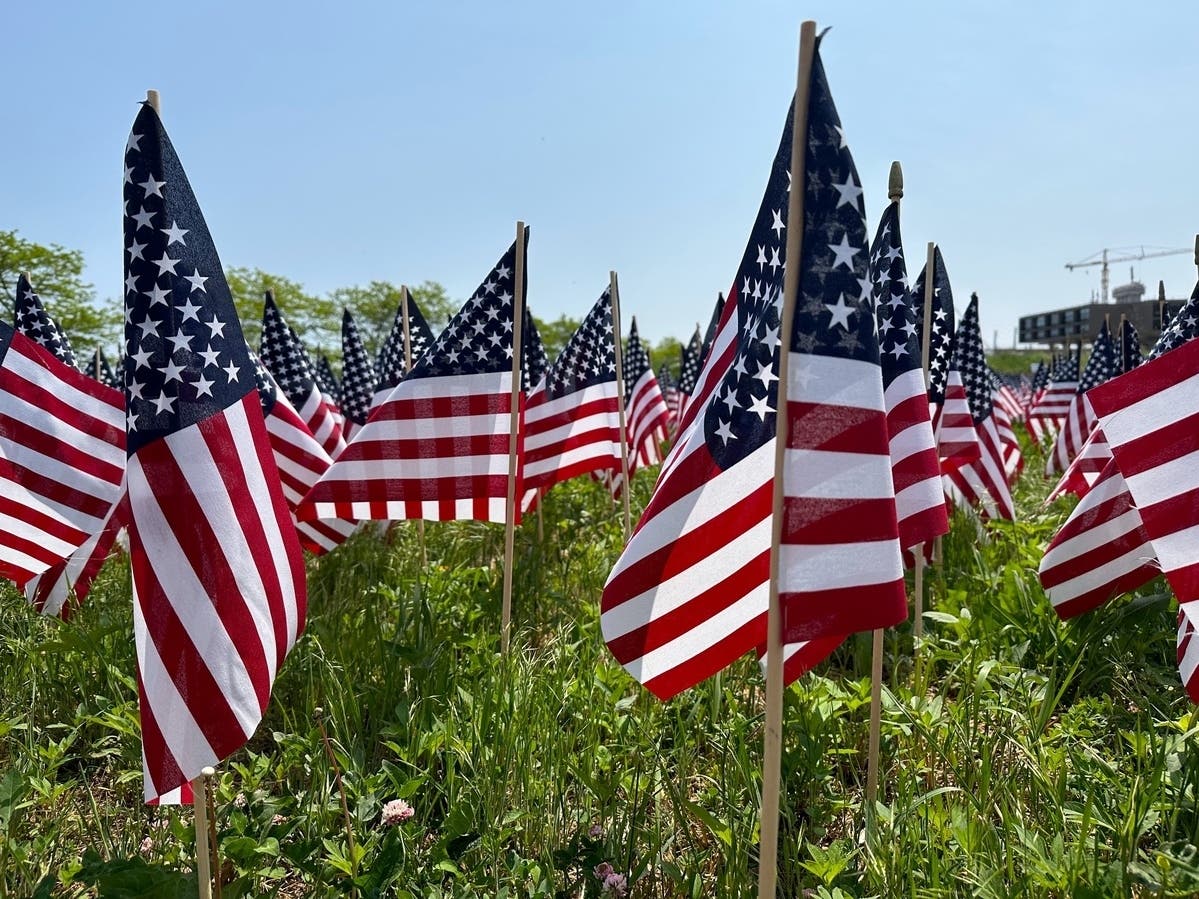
[(1062, 327)]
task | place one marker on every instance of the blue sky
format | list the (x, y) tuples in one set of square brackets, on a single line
[(336, 144)]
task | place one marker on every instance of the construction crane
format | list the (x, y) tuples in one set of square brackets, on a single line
[(1131, 257)]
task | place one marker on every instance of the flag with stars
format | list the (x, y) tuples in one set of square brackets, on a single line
[(982, 482), (534, 362), (325, 377), (689, 368), (1080, 420), (1039, 429), (394, 355), (358, 377), (101, 370), (1054, 403), (32, 320), (572, 423), (915, 469), (437, 448), (690, 592), (288, 362), (710, 334), (62, 457), (669, 394), (646, 414), (1130, 346), (1006, 410), (953, 428), (218, 574)]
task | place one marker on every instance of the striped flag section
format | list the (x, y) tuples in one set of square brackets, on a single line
[(1053, 405), (690, 592), (1150, 417), (1188, 650), (572, 421), (1013, 456), (915, 469), (1086, 467), (218, 576), (62, 457), (51, 591), (647, 417), (437, 448), (1080, 420)]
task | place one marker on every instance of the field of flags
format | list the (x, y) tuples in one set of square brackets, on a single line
[(834, 452)]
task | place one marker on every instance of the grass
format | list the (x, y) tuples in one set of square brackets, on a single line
[(1022, 756)]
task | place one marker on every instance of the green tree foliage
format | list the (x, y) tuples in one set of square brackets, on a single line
[(374, 306), (667, 351), (556, 333), (315, 319), (57, 275)]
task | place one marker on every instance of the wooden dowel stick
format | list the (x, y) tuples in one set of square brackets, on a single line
[(155, 101), (518, 314), (772, 749), (203, 858), (876, 721), (420, 522), (614, 290), (213, 845)]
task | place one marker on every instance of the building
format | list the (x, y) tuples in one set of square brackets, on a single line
[(1076, 324)]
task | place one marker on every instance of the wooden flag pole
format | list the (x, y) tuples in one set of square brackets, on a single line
[(614, 290), (894, 193), (420, 522), (772, 749), (155, 101), (203, 858), (518, 314), (213, 846), (925, 338)]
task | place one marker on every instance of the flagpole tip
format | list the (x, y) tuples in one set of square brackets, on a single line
[(208, 771), (1161, 291), (895, 181), (1197, 249), (154, 100)]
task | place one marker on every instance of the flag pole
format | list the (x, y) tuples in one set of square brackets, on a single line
[(203, 858), (96, 364), (772, 749), (925, 338), (614, 292), (518, 314), (894, 193), (420, 522)]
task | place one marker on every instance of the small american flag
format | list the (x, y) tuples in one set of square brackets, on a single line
[(982, 482), (358, 377), (394, 355), (328, 381), (689, 368), (710, 334), (572, 421), (288, 362), (690, 591), (646, 414), (1080, 420), (32, 320), (437, 448), (670, 394), (1054, 402), (915, 469), (218, 574), (1130, 346), (1039, 429), (534, 362), (1188, 650)]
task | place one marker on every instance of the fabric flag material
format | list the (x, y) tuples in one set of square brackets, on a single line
[(689, 368), (1080, 419), (1054, 404), (915, 469), (534, 362), (1039, 429), (51, 591), (328, 381), (437, 447), (358, 377), (710, 334), (32, 320), (1130, 346), (953, 427), (670, 394), (690, 592), (983, 482), (218, 574), (287, 361), (392, 362), (646, 412), (1188, 650), (62, 457), (572, 421)]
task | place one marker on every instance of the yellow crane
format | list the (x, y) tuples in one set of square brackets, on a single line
[(1129, 256)]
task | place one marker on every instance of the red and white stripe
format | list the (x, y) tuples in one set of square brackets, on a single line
[(983, 482), (62, 458), (915, 469), (953, 426), (1013, 456), (50, 591), (438, 450), (1054, 403), (1006, 399), (1188, 650), (571, 435), (218, 585), (1079, 423), (1151, 419), (647, 418), (1100, 552), (324, 422), (301, 460), (1086, 467)]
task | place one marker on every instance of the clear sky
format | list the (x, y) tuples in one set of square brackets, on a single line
[(340, 143)]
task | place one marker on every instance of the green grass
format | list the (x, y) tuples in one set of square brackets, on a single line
[(1021, 756)]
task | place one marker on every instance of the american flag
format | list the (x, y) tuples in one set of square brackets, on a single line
[(51, 591), (983, 482), (328, 381), (1080, 420), (690, 591), (1188, 651), (394, 355), (1104, 548), (669, 394), (358, 377), (1008, 410), (710, 334), (437, 448), (572, 421), (62, 457), (1039, 429), (1130, 346), (1054, 403), (32, 320), (689, 369), (915, 469), (957, 442), (1006, 396), (534, 362), (102, 371), (288, 362), (218, 574)]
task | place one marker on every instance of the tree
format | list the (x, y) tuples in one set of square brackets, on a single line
[(314, 318), (555, 334), (374, 307), (57, 276), (667, 351)]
